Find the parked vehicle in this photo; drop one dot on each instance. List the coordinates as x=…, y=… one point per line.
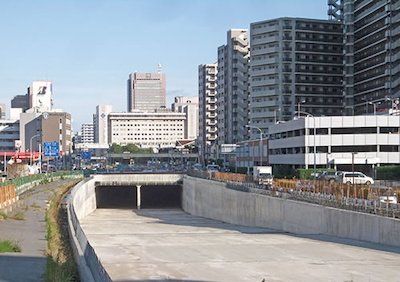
x=263, y=175
x=329, y=175
x=213, y=168
x=355, y=178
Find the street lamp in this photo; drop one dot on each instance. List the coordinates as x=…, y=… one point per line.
x=275, y=111
x=261, y=150
x=374, y=104
x=315, y=145
x=30, y=146
x=298, y=107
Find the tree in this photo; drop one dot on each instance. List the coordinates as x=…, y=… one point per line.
x=115, y=148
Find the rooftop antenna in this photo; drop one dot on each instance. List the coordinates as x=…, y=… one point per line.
x=159, y=68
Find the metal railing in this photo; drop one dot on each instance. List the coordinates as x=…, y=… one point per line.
x=359, y=198
x=24, y=183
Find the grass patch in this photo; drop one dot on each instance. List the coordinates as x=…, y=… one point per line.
x=18, y=216
x=3, y=215
x=60, y=263
x=9, y=246
x=35, y=205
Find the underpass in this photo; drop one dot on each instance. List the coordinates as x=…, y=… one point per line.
x=142, y=240
x=151, y=196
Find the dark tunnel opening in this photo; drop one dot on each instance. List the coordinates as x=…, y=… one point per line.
x=152, y=196
x=124, y=197
x=161, y=196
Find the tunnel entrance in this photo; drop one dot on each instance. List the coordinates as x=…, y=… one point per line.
x=123, y=197
x=151, y=196
x=161, y=196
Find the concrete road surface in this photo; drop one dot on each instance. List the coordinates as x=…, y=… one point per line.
x=171, y=245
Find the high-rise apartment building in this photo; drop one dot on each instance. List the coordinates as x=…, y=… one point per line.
x=371, y=53
x=146, y=91
x=207, y=112
x=295, y=64
x=232, y=88
x=189, y=106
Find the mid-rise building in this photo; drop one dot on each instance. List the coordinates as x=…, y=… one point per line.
x=146, y=91
x=20, y=101
x=189, y=106
x=87, y=133
x=40, y=96
x=342, y=142
x=9, y=134
x=2, y=111
x=100, y=123
x=232, y=88
x=146, y=130
x=46, y=127
x=295, y=64
x=371, y=53
x=207, y=140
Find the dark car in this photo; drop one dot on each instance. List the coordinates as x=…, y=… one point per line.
x=330, y=175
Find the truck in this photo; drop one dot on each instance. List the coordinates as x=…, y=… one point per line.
x=263, y=175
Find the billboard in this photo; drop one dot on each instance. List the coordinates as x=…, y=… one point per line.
x=41, y=94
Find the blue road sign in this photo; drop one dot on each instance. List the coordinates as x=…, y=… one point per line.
x=86, y=155
x=51, y=149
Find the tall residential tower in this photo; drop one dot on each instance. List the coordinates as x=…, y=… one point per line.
x=232, y=89
x=207, y=112
x=371, y=53
x=295, y=64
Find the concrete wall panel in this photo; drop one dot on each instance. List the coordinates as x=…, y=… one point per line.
x=214, y=200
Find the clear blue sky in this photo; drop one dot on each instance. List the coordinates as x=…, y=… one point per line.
x=88, y=48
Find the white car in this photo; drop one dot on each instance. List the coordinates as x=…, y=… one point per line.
x=355, y=178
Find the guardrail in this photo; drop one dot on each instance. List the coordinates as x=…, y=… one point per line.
x=361, y=198
x=11, y=190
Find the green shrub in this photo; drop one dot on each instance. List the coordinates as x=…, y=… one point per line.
x=283, y=171
x=303, y=173
x=388, y=172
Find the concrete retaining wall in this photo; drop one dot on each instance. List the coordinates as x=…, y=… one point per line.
x=83, y=202
x=211, y=199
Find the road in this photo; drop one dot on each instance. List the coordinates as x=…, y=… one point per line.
x=165, y=245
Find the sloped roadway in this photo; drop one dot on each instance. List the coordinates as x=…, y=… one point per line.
x=171, y=245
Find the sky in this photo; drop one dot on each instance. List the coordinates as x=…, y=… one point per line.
x=88, y=48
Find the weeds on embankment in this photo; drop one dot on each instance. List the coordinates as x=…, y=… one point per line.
x=60, y=262
x=9, y=246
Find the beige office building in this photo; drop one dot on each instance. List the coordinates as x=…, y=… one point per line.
x=146, y=91
x=46, y=127
x=146, y=130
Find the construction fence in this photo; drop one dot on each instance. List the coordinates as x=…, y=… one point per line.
x=8, y=196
